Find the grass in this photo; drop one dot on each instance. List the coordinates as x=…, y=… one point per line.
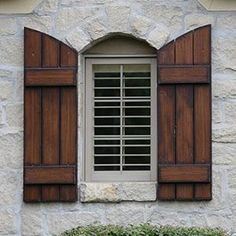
x=142, y=230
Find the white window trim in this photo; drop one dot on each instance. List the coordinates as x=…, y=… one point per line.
x=87, y=162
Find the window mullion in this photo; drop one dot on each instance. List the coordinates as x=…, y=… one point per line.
x=121, y=118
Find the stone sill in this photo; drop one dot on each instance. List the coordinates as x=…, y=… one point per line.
x=117, y=192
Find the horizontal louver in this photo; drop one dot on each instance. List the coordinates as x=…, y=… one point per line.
x=122, y=117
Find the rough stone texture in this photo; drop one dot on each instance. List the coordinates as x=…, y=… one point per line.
x=32, y=220
x=8, y=222
x=79, y=23
x=195, y=20
x=117, y=192
x=14, y=115
x=8, y=26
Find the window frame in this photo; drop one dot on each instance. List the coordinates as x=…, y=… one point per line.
x=110, y=176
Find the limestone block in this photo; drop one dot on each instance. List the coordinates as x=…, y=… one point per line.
x=32, y=220
x=78, y=39
x=75, y=16
x=59, y=222
x=141, y=25
x=224, y=133
x=224, y=52
x=192, y=21
x=8, y=26
x=10, y=185
x=11, y=150
x=96, y=28
x=118, y=18
x=226, y=22
x=220, y=221
x=158, y=36
x=14, y=115
x=6, y=90
x=126, y=213
x=37, y=22
x=47, y=7
x=5, y=74
x=224, y=153
x=117, y=192
x=160, y=218
x=224, y=86
x=13, y=51
x=8, y=222
x=217, y=111
x=99, y=192
x=230, y=111
x=19, y=86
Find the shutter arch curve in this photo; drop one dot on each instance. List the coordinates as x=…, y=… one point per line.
x=184, y=117
x=50, y=119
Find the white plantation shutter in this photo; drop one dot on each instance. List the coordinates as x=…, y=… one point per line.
x=121, y=120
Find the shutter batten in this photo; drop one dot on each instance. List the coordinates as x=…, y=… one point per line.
x=50, y=172
x=184, y=155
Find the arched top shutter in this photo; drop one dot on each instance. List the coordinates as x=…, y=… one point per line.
x=184, y=117
x=50, y=119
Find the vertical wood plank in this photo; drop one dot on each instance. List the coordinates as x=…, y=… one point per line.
x=32, y=52
x=68, y=141
x=166, y=133
x=68, y=126
x=202, y=124
x=184, y=49
x=50, y=52
x=166, y=55
x=51, y=134
x=202, y=48
x=68, y=56
x=202, y=109
x=166, y=121
x=184, y=135
x=184, y=151
x=32, y=137
x=184, y=124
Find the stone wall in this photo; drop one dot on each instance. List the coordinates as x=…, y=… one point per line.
x=79, y=23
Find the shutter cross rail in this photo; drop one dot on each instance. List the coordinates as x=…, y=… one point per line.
x=50, y=119
x=184, y=117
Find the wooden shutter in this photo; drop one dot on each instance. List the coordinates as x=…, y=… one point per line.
x=50, y=119
x=184, y=117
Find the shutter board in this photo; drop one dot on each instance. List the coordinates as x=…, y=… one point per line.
x=179, y=66
x=50, y=119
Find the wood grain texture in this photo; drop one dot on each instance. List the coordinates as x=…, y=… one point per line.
x=32, y=51
x=184, y=65
x=50, y=119
x=202, y=45
x=50, y=52
x=68, y=141
x=50, y=175
x=50, y=77
x=184, y=74
x=184, y=173
x=68, y=56
x=166, y=121
x=184, y=124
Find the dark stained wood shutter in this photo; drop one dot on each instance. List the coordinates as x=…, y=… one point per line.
x=50, y=119
x=184, y=117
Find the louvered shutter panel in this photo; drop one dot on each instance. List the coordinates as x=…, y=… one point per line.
x=50, y=119
x=184, y=117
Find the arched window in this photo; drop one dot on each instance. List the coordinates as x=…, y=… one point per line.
x=120, y=108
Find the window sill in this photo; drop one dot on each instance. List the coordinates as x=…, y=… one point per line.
x=117, y=192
